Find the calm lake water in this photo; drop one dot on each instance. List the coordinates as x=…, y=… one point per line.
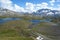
x=2, y=20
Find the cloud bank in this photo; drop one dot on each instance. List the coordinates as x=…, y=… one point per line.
x=29, y=7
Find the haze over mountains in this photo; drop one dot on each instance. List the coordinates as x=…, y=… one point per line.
x=7, y=12
x=40, y=12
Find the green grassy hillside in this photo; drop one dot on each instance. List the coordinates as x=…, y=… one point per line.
x=15, y=30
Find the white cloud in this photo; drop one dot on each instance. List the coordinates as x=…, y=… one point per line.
x=58, y=7
x=30, y=7
x=9, y=5
x=18, y=8
x=33, y=7
x=52, y=2
x=42, y=5
x=6, y=4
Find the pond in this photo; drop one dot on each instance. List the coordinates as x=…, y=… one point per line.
x=38, y=21
x=2, y=20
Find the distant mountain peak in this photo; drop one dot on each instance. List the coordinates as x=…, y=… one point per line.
x=40, y=12
x=46, y=12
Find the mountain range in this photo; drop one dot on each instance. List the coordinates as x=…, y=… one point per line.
x=40, y=12
x=46, y=12
x=7, y=12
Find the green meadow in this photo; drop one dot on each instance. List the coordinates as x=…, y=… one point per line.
x=15, y=30
x=19, y=29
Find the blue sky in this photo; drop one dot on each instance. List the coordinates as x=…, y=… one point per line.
x=23, y=2
x=29, y=5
